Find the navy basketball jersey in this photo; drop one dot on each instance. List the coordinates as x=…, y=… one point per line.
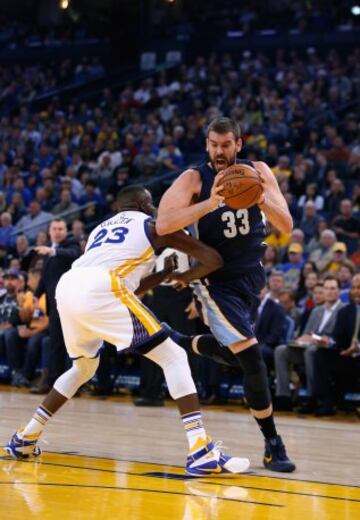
x=236, y=234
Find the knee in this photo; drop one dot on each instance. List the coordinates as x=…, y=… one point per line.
x=86, y=367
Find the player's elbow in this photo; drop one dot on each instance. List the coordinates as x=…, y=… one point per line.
x=162, y=227
x=287, y=225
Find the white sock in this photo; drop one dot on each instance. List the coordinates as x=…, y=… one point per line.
x=37, y=423
x=194, y=428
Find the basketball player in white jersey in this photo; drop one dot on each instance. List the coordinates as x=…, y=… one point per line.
x=97, y=302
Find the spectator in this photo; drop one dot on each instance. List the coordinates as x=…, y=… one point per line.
x=345, y=274
x=270, y=326
x=270, y=260
x=321, y=321
x=276, y=284
x=58, y=259
x=37, y=220
x=323, y=255
x=339, y=361
x=9, y=316
x=312, y=195
x=7, y=231
x=310, y=221
x=287, y=299
x=339, y=257
x=24, y=343
x=347, y=227
x=66, y=205
x=314, y=242
x=170, y=157
x=292, y=269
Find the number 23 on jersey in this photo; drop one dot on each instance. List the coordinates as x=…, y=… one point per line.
x=114, y=235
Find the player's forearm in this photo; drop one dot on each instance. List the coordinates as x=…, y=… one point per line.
x=276, y=212
x=201, y=270
x=174, y=219
x=151, y=281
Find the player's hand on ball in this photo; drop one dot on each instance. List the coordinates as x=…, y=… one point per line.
x=215, y=198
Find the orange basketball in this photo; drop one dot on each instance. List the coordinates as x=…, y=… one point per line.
x=242, y=186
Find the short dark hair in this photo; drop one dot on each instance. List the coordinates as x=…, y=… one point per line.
x=130, y=192
x=331, y=277
x=223, y=125
x=289, y=292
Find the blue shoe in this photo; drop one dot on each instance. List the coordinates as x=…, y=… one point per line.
x=207, y=460
x=23, y=448
x=275, y=457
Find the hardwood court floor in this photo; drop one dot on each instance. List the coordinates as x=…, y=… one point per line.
x=108, y=459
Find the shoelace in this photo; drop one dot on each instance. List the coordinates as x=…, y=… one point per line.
x=219, y=446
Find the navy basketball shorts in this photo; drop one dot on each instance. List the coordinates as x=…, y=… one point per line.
x=229, y=309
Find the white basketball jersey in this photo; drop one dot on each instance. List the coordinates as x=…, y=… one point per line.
x=120, y=245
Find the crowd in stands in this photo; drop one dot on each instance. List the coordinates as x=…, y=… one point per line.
x=298, y=114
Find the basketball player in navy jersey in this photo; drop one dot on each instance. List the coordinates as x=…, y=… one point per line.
x=229, y=297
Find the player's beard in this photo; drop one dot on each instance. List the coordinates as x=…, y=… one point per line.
x=221, y=162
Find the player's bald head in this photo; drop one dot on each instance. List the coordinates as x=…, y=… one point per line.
x=135, y=198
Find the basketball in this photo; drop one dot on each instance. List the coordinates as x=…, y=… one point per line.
x=242, y=186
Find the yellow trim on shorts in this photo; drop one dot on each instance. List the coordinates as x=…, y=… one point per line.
x=129, y=299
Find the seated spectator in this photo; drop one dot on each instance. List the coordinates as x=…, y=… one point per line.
x=170, y=157
x=9, y=315
x=276, y=284
x=345, y=274
x=305, y=296
x=66, y=205
x=314, y=242
x=282, y=168
x=339, y=361
x=146, y=161
x=278, y=239
x=347, y=227
x=292, y=269
x=302, y=351
x=339, y=257
x=312, y=195
x=269, y=326
x=37, y=220
x=323, y=255
x=16, y=208
x=287, y=300
x=270, y=260
x=310, y=221
x=334, y=197
x=7, y=231
x=315, y=298
x=307, y=268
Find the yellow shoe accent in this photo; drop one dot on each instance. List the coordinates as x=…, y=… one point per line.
x=200, y=444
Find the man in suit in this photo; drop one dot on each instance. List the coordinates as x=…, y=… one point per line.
x=270, y=326
x=321, y=322
x=339, y=360
x=58, y=259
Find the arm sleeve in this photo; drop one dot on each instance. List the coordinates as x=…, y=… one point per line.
x=72, y=252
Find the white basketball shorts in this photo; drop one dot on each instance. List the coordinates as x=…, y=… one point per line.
x=96, y=306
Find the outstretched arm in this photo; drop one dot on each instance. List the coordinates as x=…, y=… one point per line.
x=155, y=279
x=208, y=259
x=273, y=202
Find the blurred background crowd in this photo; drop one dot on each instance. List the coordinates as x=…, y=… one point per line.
x=76, y=129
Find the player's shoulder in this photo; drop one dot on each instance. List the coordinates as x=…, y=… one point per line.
x=189, y=179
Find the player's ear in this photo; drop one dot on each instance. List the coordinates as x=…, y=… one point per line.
x=239, y=144
x=207, y=144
